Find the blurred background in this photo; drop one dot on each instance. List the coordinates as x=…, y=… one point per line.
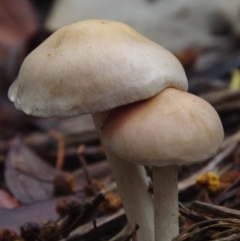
x=203, y=34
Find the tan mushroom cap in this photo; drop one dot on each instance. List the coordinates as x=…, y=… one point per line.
x=93, y=66
x=174, y=127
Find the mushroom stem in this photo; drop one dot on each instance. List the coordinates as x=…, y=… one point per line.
x=132, y=186
x=165, y=189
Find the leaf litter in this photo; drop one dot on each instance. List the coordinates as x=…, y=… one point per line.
x=77, y=199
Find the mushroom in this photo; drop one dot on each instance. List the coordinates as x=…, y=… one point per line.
x=170, y=129
x=92, y=67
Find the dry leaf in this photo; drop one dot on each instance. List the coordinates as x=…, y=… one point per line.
x=27, y=176
x=18, y=21
x=7, y=201
x=39, y=212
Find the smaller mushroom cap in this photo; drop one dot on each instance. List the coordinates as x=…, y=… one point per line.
x=93, y=66
x=174, y=127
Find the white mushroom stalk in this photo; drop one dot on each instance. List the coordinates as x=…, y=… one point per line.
x=173, y=128
x=132, y=186
x=165, y=189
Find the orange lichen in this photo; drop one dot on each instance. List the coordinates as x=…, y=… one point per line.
x=210, y=180
x=112, y=202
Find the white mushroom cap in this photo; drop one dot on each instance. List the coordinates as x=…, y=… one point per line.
x=93, y=66
x=174, y=127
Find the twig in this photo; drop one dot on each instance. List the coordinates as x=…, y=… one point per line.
x=200, y=228
x=228, y=106
x=220, y=96
x=95, y=230
x=86, y=214
x=234, y=237
x=191, y=214
x=61, y=148
x=226, y=233
x=105, y=224
x=133, y=235
x=84, y=167
x=222, y=197
x=217, y=211
x=186, y=183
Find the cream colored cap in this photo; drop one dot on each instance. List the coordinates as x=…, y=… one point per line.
x=174, y=127
x=93, y=66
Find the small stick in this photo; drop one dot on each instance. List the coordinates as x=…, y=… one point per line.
x=216, y=210
x=95, y=230
x=61, y=148
x=226, y=233
x=86, y=214
x=221, y=197
x=84, y=166
x=208, y=224
x=184, y=211
x=133, y=235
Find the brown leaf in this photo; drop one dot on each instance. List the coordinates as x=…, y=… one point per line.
x=18, y=21
x=38, y=212
x=27, y=176
x=7, y=201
